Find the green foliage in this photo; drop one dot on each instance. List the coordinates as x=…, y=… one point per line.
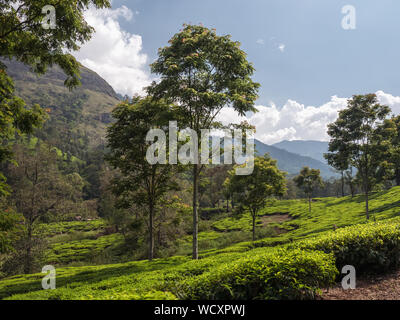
x=52, y=229
x=15, y=119
x=370, y=247
x=252, y=191
x=394, y=123
x=360, y=138
x=140, y=184
x=81, y=250
x=239, y=267
x=279, y=275
x=40, y=193
x=9, y=228
x=205, y=72
x=23, y=37
x=308, y=180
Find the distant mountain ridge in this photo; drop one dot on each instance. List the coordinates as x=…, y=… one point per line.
x=308, y=148
x=292, y=162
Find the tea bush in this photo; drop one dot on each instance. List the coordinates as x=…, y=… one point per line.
x=283, y=274
x=371, y=248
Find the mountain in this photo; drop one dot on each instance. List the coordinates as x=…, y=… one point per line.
x=292, y=162
x=77, y=117
x=307, y=148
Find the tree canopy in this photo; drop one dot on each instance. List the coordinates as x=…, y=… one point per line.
x=362, y=136
x=308, y=180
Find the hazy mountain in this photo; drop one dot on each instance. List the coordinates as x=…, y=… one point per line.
x=292, y=162
x=313, y=149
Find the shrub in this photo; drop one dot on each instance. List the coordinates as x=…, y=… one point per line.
x=279, y=275
x=370, y=248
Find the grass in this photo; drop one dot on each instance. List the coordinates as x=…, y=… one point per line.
x=153, y=280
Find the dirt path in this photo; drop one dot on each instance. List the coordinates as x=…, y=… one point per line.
x=274, y=218
x=385, y=287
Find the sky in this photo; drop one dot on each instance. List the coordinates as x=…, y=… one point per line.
x=307, y=59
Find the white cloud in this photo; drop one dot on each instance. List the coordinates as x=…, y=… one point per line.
x=282, y=47
x=116, y=55
x=260, y=41
x=295, y=121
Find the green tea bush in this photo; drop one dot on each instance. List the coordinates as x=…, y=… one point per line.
x=370, y=248
x=55, y=228
x=280, y=275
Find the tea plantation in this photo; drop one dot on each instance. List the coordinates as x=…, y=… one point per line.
x=298, y=254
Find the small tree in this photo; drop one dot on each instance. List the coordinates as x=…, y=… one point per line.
x=140, y=183
x=254, y=190
x=308, y=180
x=203, y=73
x=361, y=135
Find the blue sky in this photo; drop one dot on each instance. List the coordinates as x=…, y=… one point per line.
x=307, y=64
x=320, y=58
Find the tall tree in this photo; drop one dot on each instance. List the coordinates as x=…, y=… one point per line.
x=202, y=73
x=308, y=180
x=254, y=190
x=141, y=183
x=362, y=129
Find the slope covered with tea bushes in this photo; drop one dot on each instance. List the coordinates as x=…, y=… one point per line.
x=306, y=258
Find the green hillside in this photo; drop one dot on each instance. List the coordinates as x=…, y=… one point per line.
x=241, y=266
x=81, y=115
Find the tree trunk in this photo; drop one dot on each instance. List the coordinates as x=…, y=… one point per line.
x=342, y=184
x=151, y=237
x=254, y=227
x=366, y=204
x=309, y=204
x=352, y=189
x=397, y=176
x=28, y=262
x=366, y=191
x=195, y=213
x=227, y=205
